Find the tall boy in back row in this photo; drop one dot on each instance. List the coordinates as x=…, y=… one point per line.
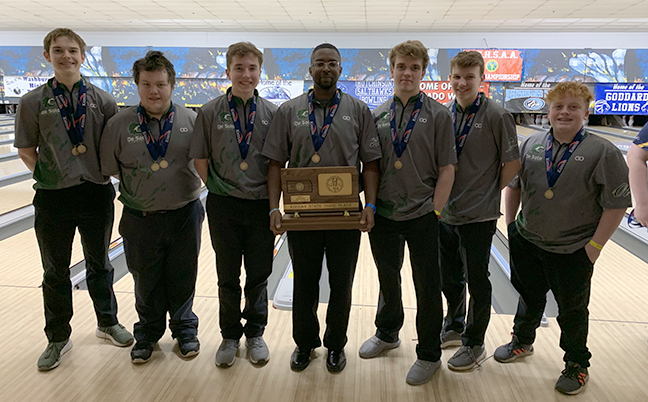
x=488, y=158
x=574, y=190
x=58, y=130
x=229, y=136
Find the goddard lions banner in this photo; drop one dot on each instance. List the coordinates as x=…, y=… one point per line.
x=621, y=99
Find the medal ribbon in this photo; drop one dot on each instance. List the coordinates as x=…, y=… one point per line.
x=156, y=148
x=75, y=127
x=460, y=139
x=399, y=146
x=553, y=174
x=319, y=136
x=243, y=139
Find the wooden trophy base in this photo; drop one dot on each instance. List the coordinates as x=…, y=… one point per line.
x=321, y=221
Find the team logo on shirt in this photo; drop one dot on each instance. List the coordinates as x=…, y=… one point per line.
x=375, y=142
x=225, y=117
x=302, y=114
x=622, y=191
x=134, y=128
x=184, y=129
x=536, y=153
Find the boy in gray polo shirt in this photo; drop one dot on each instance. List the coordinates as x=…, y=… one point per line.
x=488, y=158
x=230, y=132
x=71, y=191
x=350, y=139
x=417, y=171
x=148, y=146
x=574, y=190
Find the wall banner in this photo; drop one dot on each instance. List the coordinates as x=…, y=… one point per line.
x=441, y=91
x=373, y=93
x=501, y=64
x=623, y=99
x=279, y=91
x=16, y=87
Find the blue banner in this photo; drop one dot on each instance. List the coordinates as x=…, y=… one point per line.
x=373, y=93
x=623, y=99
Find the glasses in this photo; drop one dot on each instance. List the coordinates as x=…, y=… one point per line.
x=331, y=64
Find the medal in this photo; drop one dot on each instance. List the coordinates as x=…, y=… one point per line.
x=164, y=164
x=399, y=146
x=81, y=149
x=315, y=158
x=157, y=148
x=75, y=151
x=398, y=165
x=549, y=194
x=74, y=121
x=243, y=138
x=460, y=138
x=318, y=136
x=155, y=166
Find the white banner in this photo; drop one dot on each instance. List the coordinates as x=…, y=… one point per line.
x=15, y=87
x=279, y=91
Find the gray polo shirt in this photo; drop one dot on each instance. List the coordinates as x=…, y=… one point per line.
x=124, y=151
x=595, y=178
x=39, y=124
x=407, y=193
x=351, y=139
x=492, y=141
x=215, y=139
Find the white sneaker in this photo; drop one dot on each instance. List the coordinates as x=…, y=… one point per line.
x=257, y=350
x=226, y=353
x=375, y=346
x=422, y=371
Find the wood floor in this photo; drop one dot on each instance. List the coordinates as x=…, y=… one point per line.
x=94, y=370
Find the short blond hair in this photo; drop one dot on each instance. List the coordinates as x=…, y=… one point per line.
x=242, y=49
x=467, y=59
x=414, y=48
x=60, y=32
x=572, y=88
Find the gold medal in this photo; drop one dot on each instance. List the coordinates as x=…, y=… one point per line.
x=81, y=149
x=164, y=164
x=155, y=166
x=549, y=194
x=315, y=158
x=75, y=151
x=398, y=165
x=244, y=166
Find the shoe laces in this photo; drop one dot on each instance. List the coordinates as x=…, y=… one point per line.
x=256, y=342
x=573, y=371
x=229, y=344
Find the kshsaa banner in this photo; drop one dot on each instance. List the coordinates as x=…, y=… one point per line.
x=502, y=64
x=621, y=99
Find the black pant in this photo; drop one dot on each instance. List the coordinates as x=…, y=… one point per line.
x=388, y=239
x=58, y=213
x=465, y=254
x=162, y=254
x=533, y=273
x=307, y=253
x=241, y=229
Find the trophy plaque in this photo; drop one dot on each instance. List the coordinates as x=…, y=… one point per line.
x=320, y=198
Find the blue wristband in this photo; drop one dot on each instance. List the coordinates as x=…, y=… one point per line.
x=272, y=210
x=370, y=205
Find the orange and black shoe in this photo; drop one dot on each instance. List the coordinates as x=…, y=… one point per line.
x=512, y=351
x=573, y=379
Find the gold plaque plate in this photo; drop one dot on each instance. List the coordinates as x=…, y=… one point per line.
x=326, y=189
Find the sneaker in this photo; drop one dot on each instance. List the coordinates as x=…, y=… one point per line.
x=512, y=350
x=257, y=350
x=51, y=357
x=117, y=334
x=189, y=345
x=573, y=379
x=375, y=346
x=422, y=371
x=467, y=357
x=226, y=353
x=141, y=352
x=450, y=338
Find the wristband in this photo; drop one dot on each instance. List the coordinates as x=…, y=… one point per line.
x=372, y=206
x=595, y=245
x=272, y=210
x=438, y=214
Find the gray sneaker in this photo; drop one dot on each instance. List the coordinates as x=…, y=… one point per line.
x=467, y=357
x=51, y=357
x=450, y=338
x=573, y=379
x=257, y=350
x=117, y=334
x=374, y=346
x=422, y=371
x=226, y=353
x=512, y=350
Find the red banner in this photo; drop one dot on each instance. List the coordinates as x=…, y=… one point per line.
x=501, y=65
x=441, y=91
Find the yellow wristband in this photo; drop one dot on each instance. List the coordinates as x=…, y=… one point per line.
x=438, y=214
x=595, y=245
